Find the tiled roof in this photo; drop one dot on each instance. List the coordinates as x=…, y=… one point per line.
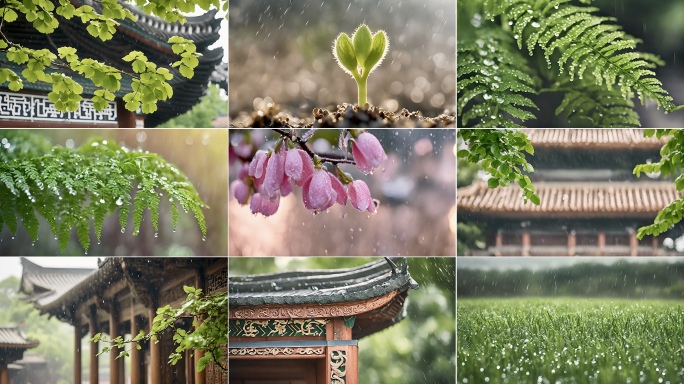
x=44, y=285
x=580, y=200
x=317, y=287
x=13, y=337
x=322, y=287
x=595, y=138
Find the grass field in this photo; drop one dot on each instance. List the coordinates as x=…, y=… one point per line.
x=570, y=340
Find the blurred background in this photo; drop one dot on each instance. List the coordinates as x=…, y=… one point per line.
x=658, y=23
x=281, y=52
x=200, y=154
x=625, y=277
x=416, y=216
x=419, y=349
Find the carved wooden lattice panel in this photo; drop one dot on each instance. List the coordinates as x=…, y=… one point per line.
x=216, y=375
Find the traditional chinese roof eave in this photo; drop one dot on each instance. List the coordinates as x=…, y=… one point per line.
x=13, y=337
x=372, y=293
x=596, y=138
x=640, y=200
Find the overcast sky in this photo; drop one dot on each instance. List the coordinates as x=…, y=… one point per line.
x=538, y=263
x=11, y=266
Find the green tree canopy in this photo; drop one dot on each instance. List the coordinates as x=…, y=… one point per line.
x=150, y=81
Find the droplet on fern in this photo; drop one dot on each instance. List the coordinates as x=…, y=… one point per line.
x=555, y=6
x=102, y=201
x=529, y=11
x=119, y=201
x=516, y=36
x=510, y=22
x=497, y=78
x=123, y=229
x=488, y=62
x=204, y=238
x=534, y=24
x=499, y=100
x=495, y=85
x=479, y=42
x=483, y=52
x=156, y=234
x=12, y=237
x=486, y=96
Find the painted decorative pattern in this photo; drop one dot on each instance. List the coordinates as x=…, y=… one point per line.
x=17, y=106
x=264, y=328
x=310, y=311
x=275, y=351
x=338, y=368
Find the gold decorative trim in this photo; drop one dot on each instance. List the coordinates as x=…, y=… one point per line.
x=265, y=328
x=276, y=351
x=310, y=311
x=338, y=369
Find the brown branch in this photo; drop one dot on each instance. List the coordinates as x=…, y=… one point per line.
x=328, y=157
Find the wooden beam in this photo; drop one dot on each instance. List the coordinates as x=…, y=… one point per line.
x=77, y=353
x=601, y=243
x=526, y=243
x=572, y=243
x=94, y=347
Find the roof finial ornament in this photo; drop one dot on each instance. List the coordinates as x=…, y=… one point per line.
x=404, y=267
x=392, y=265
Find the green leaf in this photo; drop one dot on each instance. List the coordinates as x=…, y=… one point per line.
x=493, y=182
x=344, y=53
x=363, y=41
x=186, y=71
x=349, y=321
x=534, y=199
x=377, y=52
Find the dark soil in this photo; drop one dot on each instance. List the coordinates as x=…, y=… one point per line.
x=346, y=116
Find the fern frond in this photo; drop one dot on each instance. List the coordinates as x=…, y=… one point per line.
x=601, y=107
x=68, y=187
x=584, y=40
x=494, y=76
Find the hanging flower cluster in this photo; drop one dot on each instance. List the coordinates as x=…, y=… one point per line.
x=273, y=174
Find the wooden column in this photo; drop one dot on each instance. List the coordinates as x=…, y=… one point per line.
x=135, y=353
x=77, y=353
x=4, y=375
x=572, y=242
x=633, y=243
x=601, y=243
x=94, y=347
x=499, y=243
x=200, y=377
x=155, y=348
x=114, y=352
x=526, y=243
x=341, y=361
x=655, y=244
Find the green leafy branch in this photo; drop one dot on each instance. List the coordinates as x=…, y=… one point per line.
x=150, y=84
x=500, y=152
x=209, y=331
x=69, y=187
x=670, y=164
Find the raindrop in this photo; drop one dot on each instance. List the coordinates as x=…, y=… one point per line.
x=156, y=234
x=535, y=24
x=119, y=202
x=204, y=238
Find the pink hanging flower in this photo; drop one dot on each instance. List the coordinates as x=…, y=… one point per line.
x=298, y=166
x=263, y=205
x=360, y=196
x=322, y=190
x=256, y=166
x=368, y=152
x=240, y=190
x=275, y=172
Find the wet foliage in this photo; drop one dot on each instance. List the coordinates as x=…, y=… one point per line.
x=69, y=187
x=569, y=341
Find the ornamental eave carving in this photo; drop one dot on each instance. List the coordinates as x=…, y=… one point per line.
x=310, y=311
